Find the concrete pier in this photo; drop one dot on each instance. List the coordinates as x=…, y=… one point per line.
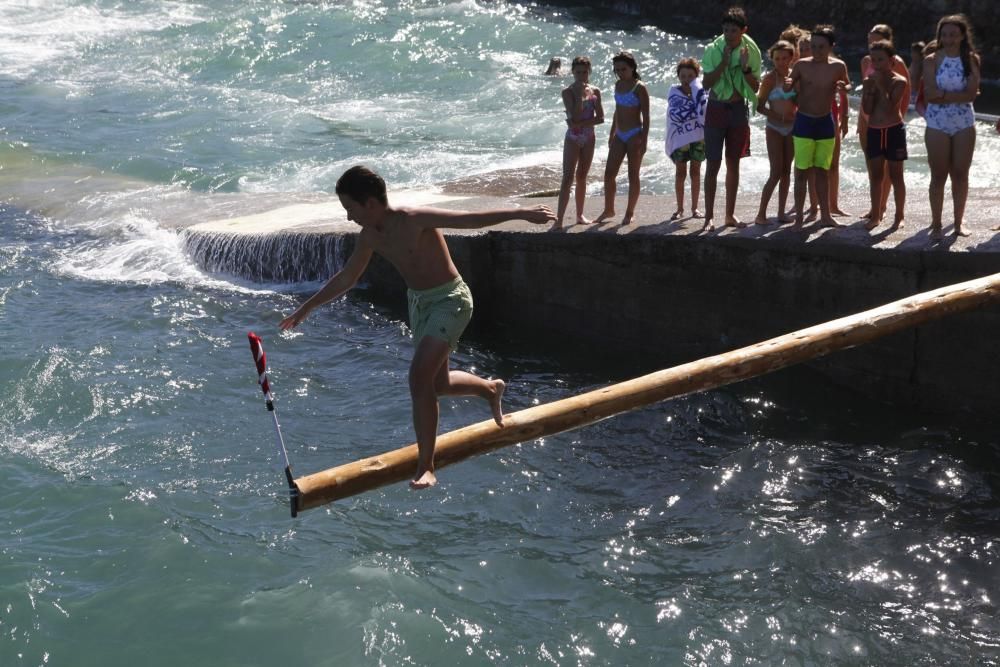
x=669, y=291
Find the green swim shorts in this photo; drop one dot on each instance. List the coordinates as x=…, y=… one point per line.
x=442, y=312
x=694, y=152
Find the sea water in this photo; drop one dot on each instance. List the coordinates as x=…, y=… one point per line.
x=143, y=515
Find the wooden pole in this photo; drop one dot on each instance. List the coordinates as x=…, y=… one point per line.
x=569, y=413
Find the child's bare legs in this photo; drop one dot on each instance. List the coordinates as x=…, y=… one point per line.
x=776, y=157
x=863, y=140
x=801, y=185
x=711, y=180
x=582, y=171
x=823, y=195
x=695, y=187
x=635, y=151
x=571, y=155
x=899, y=193
x=431, y=378
x=963, y=145
x=616, y=153
x=886, y=186
x=813, y=196
x=788, y=159
x=680, y=176
x=732, y=186
x=939, y=160
x=835, y=179
x=876, y=183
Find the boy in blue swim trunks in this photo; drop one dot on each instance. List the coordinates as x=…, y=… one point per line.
x=440, y=302
x=817, y=79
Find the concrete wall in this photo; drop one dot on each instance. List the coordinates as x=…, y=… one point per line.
x=670, y=299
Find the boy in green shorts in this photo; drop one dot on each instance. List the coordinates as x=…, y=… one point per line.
x=817, y=79
x=440, y=302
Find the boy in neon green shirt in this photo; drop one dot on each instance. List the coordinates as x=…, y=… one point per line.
x=732, y=75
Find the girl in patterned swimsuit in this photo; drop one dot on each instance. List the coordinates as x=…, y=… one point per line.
x=629, y=130
x=583, y=112
x=951, y=83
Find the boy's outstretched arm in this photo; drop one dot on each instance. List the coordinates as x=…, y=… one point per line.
x=439, y=217
x=335, y=287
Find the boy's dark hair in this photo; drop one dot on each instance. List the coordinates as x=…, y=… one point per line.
x=884, y=45
x=359, y=183
x=825, y=31
x=689, y=63
x=735, y=15
x=580, y=60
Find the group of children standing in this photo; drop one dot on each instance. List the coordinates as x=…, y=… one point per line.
x=805, y=104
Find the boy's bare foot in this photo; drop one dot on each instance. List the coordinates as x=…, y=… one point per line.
x=424, y=481
x=735, y=222
x=760, y=220
x=627, y=219
x=872, y=224
x=708, y=225
x=498, y=388
x=605, y=214
x=897, y=223
x=582, y=220
x=557, y=226
x=829, y=222
x=960, y=232
x=936, y=234
x=677, y=214
x=695, y=213
x=835, y=210
x=812, y=214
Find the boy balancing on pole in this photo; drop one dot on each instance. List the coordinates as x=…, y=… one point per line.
x=440, y=303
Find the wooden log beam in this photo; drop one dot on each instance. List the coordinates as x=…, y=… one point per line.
x=569, y=413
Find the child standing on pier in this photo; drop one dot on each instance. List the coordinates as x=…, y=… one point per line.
x=686, y=132
x=884, y=89
x=440, y=302
x=817, y=79
x=778, y=106
x=583, y=112
x=629, y=132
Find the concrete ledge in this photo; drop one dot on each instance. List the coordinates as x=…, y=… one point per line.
x=665, y=293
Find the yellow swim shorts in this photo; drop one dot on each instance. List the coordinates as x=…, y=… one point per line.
x=442, y=312
x=814, y=138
